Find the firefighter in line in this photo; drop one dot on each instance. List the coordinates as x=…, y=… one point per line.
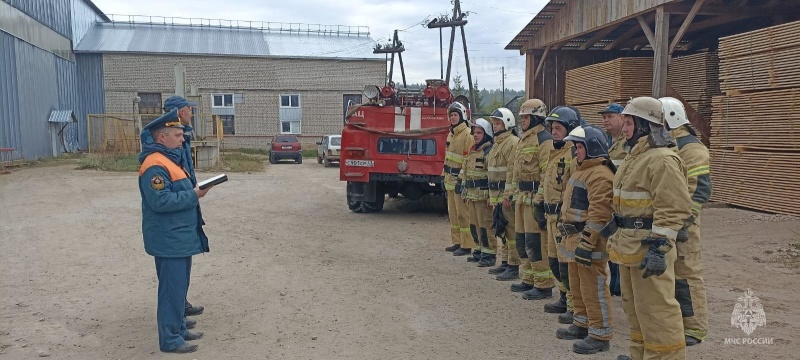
x=474, y=178
x=501, y=189
x=561, y=121
x=458, y=143
x=531, y=159
x=187, y=161
x=586, y=210
x=612, y=124
x=690, y=290
x=651, y=204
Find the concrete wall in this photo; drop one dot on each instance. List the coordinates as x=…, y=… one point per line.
x=320, y=84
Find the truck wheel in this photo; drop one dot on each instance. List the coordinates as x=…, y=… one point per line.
x=354, y=206
x=272, y=159
x=300, y=160
x=373, y=206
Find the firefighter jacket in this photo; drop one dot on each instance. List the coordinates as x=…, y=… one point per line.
x=498, y=161
x=532, y=155
x=556, y=176
x=587, y=208
x=696, y=158
x=650, y=200
x=616, y=150
x=474, y=175
x=459, y=140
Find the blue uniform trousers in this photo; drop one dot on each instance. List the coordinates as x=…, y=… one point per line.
x=173, y=284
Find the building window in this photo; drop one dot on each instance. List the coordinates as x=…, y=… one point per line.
x=290, y=114
x=222, y=100
x=228, y=127
x=150, y=103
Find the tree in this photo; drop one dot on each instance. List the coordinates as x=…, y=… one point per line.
x=478, y=97
x=458, y=86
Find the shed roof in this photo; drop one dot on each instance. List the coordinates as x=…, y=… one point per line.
x=115, y=37
x=62, y=116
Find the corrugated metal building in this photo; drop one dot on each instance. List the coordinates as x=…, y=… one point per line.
x=263, y=79
x=40, y=74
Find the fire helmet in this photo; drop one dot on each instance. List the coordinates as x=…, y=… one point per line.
x=459, y=108
x=674, y=112
x=506, y=116
x=533, y=107
x=565, y=116
x=647, y=108
x=593, y=139
x=486, y=125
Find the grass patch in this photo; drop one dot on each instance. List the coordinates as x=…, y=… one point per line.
x=251, y=151
x=119, y=163
x=310, y=153
x=250, y=160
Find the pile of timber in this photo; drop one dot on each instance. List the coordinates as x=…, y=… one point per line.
x=755, y=140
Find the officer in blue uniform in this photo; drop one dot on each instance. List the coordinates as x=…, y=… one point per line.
x=171, y=226
x=184, y=108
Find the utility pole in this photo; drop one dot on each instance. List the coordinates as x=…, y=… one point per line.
x=441, y=55
x=456, y=21
x=503, y=82
x=395, y=48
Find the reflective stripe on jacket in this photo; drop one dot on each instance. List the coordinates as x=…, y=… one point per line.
x=459, y=141
x=500, y=161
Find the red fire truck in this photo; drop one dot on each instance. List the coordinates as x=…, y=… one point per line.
x=394, y=144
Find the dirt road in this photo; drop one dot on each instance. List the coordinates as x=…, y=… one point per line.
x=292, y=274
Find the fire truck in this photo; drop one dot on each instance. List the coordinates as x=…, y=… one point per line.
x=394, y=144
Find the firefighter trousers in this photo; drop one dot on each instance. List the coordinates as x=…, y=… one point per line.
x=480, y=225
x=555, y=260
x=459, y=220
x=654, y=314
x=534, y=266
x=507, y=248
x=591, y=299
x=690, y=289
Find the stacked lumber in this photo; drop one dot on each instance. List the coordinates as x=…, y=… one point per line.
x=755, y=137
x=696, y=78
x=618, y=79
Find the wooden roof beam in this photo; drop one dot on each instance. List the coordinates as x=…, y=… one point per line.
x=597, y=37
x=723, y=10
x=697, y=26
x=628, y=34
x=651, y=38
x=686, y=22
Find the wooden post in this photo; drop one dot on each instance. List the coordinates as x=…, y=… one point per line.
x=686, y=22
x=530, y=63
x=661, y=53
x=541, y=63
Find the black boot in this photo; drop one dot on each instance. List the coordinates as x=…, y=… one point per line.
x=590, y=345
x=511, y=273
x=537, y=294
x=476, y=256
x=500, y=269
x=487, y=260
x=558, y=307
x=572, y=333
x=691, y=341
x=521, y=287
x=623, y=357
x=189, y=310
x=462, y=251
x=566, y=318
x=452, y=248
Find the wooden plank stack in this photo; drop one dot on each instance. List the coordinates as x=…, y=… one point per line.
x=755, y=140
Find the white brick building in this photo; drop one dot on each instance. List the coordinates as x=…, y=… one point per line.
x=260, y=82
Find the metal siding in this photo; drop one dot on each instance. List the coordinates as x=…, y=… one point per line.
x=83, y=18
x=38, y=95
x=9, y=99
x=91, y=91
x=68, y=99
x=53, y=13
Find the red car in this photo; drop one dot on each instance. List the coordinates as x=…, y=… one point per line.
x=285, y=147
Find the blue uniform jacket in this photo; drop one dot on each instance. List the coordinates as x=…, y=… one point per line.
x=171, y=221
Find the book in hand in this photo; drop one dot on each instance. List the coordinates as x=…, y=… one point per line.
x=219, y=179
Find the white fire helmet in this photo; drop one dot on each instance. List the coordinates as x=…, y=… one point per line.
x=674, y=112
x=459, y=108
x=486, y=125
x=506, y=116
x=647, y=108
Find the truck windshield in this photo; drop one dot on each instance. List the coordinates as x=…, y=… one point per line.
x=407, y=146
x=336, y=141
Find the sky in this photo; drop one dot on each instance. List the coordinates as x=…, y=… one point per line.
x=491, y=26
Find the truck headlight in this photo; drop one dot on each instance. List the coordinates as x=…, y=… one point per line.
x=371, y=92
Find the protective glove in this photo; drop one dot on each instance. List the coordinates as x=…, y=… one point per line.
x=654, y=262
x=539, y=216
x=583, y=253
x=683, y=233
x=459, y=187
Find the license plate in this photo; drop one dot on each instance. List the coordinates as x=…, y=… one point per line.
x=362, y=163
x=286, y=147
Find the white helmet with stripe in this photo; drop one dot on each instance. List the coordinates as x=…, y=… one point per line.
x=485, y=125
x=506, y=116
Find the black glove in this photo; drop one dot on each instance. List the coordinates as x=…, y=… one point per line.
x=459, y=188
x=583, y=253
x=683, y=233
x=654, y=262
x=538, y=215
